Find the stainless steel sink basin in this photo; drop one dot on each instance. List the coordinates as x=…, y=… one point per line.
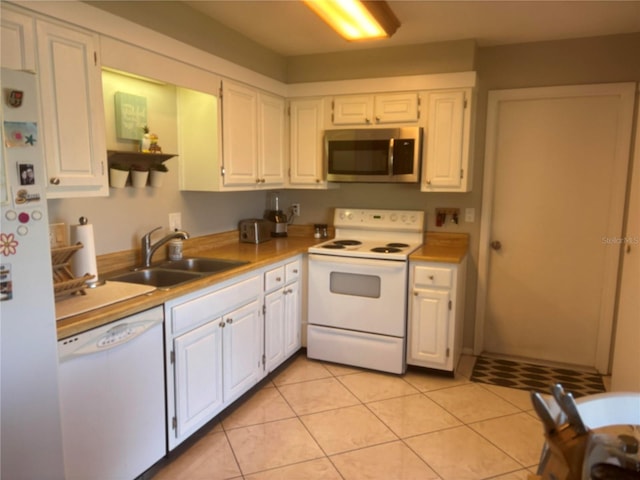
x=170, y=274
x=202, y=265
x=157, y=277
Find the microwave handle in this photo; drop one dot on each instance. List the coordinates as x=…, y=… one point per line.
x=390, y=157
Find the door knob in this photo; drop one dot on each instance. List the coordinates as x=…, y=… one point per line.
x=496, y=245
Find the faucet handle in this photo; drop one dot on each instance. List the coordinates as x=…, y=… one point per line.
x=154, y=230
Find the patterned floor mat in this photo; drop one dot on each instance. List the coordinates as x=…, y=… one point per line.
x=527, y=376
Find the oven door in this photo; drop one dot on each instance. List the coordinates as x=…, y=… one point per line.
x=358, y=294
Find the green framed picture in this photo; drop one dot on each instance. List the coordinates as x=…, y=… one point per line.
x=131, y=115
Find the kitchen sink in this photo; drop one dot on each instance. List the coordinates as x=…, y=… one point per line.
x=170, y=274
x=157, y=277
x=201, y=265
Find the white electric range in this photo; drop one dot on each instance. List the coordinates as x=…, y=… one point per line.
x=358, y=288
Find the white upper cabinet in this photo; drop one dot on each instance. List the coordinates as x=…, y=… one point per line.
x=18, y=41
x=447, y=165
x=253, y=136
x=376, y=109
x=305, y=143
x=71, y=101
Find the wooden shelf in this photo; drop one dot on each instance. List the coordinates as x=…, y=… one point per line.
x=144, y=159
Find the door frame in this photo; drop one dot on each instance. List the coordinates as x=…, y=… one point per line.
x=626, y=93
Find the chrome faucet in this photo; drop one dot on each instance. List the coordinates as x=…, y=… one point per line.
x=148, y=249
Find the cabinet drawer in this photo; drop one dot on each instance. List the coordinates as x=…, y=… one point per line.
x=274, y=278
x=432, y=276
x=292, y=271
x=207, y=307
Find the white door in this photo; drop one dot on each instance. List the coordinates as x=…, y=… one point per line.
x=554, y=189
x=242, y=339
x=274, y=329
x=198, y=377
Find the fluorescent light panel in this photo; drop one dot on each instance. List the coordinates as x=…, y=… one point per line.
x=356, y=20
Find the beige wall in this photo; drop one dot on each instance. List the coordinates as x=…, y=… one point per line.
x=124, y=216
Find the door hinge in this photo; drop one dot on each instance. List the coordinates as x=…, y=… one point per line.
x=264, y=309
x=264, y=360
x=464, y=104
x=461, y=173
x=220, y=91
x=449, y=304
x=448, y=351
x=102, y=168
x=222, y=170
x=95, y=58
x=172, y=357
x=174, y=423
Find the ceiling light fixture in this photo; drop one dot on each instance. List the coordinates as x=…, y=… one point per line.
x=356, y=19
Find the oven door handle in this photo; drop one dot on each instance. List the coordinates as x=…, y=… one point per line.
x=390, y=157
x=368, y=262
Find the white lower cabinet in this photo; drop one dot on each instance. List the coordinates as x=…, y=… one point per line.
x=436, y=314
x=282, y=313
x=223, y=340
x=198, y=377
x=214, y=349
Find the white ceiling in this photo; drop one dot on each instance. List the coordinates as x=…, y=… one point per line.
x=290, y=28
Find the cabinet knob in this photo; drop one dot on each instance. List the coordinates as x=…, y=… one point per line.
x=431, y=277
x=377, y=119
x=415, y=293
x=496, y=245
x=262, y=180
x=318, y=180
x=221, y=324
x=257, y=180
x=278, y=279
x=229, y=321
x=295, y=270
x=428, y=182
x=54, y=181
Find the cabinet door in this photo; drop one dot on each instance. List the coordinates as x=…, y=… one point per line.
x=305, y=155
x=242, y=347
x=274, y=329
x=353, y=110
x=239, y=135
x=198, y=377
x=447, y=144
x=396, y=108
x=18, y=41
x=429, y=328
x=271, y=137
x=292, y=320
x=71, y=99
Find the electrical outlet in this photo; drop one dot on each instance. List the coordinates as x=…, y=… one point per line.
x=175, y=221
x=295, y=208
x=469, y=215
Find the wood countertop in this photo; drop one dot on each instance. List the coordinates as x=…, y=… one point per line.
x=438, y=247
x=442, y=247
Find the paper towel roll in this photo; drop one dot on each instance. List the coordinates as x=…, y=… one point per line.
x=84, y=260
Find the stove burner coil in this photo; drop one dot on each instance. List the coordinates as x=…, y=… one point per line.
x=397, y=245
x=385, y=250
x=348, y=243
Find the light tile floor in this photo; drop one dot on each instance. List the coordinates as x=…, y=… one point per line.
x=321, y=421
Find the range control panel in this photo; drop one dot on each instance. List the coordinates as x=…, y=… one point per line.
x=412, y=220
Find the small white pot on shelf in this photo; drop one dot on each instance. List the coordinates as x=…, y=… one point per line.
x=139, y=178
x=118, y=178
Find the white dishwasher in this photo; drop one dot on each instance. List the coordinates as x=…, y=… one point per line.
x=112, y=398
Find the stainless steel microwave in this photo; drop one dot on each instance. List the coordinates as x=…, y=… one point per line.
x=384, y=155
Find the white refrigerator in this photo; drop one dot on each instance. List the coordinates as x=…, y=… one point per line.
x=31, y=439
